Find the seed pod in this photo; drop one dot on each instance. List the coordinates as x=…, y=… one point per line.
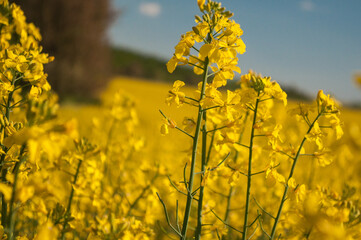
x=228, y=14
x=18, y=125
x=195, y=30
x=198, y=18
x=10, y=130
x=208, y=8
x=6, y=120
x=206, y=18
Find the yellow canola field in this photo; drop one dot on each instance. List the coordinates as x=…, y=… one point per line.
x=246, y=167
x=149, y=98
x=337, y=184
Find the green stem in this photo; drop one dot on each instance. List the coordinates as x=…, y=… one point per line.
x=290, y=176
x=220, y=219
x=210, y=146
x=249, y=175
x=179, y=129
x=68, y=209
x=8, y=105
x=109, y=137
x=203, y=168
x=194, y=154
x=167, y=218
x=4, y=207
x=107, y=169
x=11, y=220
x=230, y=193
x=141, y=195
x=228, y=209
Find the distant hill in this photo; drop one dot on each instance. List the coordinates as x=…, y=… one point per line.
x=133, y=64
x=129, y=63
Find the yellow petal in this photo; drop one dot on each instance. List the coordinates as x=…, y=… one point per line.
x=201, y=4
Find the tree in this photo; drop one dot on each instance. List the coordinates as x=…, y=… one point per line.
x=74, y=32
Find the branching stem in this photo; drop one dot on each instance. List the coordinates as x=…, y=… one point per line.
x=290, y=176
x=68, y=209
x=201, y=188
x=194, y=154
x=249, y=175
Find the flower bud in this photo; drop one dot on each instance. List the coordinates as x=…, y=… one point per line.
x=227, y=33
x=164, y=129
x=195, y=30
x=201, y=4
x=198, y=18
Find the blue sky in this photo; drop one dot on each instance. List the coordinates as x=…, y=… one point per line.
x=309, y=44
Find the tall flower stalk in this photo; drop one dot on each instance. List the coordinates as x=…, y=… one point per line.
x=194, y=155
x=326, y=106
x=216, y=41
x=249, y=174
